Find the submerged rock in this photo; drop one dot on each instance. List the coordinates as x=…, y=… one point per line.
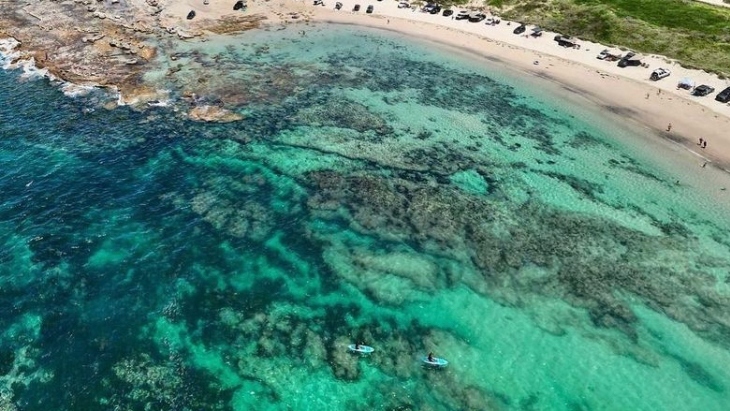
x=213, y=113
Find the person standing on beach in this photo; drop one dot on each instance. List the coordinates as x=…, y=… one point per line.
x=669, y=127
x=704, y=144
x=701, y=140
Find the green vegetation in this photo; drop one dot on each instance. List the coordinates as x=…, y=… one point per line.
x=695, y=34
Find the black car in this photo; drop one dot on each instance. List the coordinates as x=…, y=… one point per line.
x=435, y=10
x=629, y=60
x=356, y=8
x=448, y=12
x=702, y=90
x=519, y=29
x=477, y=17
x=369, y=9
x=723, y=96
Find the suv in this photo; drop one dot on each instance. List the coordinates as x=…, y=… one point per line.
x=477, y=17
x=702, y=90
x=602, y=55
x=723, y=96
x=659, y=74
x=629, y=60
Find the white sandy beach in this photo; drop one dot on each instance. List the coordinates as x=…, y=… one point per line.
x=628, y=91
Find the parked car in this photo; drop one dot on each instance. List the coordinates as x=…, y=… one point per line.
x=369, y=9
x=404, y=5
x=338, y=5
x=448, y=12
x=356, y=8
x=703, y=90
x=659, y=74
x=519, y=29
x=463, y=15
x=567, y=42
x=435, y=10
x=630, y=59
x=723, y=96
x=318, y=3
x=609, y=55
x=428, y=7
x=477, y=17
x=536, y=31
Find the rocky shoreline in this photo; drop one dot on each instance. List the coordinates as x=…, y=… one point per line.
x=111, y=43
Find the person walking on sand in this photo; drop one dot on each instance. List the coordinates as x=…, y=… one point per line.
x=669, y=127
x=704, y=144
x=701, y=141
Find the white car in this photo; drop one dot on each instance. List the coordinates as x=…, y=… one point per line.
x=404, y=5
x=462, y=15
x=659, y=74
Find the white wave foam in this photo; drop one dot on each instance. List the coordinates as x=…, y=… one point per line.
x=8, y=52
x=167, y=102
x=75, y=90
x=30, y=70
x=11, y=59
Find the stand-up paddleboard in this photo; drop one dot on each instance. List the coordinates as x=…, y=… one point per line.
x=435, y=363
x=362, y=349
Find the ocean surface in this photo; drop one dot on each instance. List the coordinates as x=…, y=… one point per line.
x=379, y=191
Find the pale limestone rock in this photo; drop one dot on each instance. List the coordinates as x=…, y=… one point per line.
x=213, y=113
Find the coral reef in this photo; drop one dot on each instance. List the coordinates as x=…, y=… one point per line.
x=587, y=260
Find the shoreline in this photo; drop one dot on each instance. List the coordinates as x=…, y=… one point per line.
x=623, y=95
x=623, y=92
x=620, y=91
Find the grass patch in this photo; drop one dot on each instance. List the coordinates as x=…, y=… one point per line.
x=695, y=34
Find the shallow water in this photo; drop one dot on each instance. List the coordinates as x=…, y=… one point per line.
x=376, y=191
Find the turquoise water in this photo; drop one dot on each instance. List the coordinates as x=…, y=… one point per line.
x=377, y=190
